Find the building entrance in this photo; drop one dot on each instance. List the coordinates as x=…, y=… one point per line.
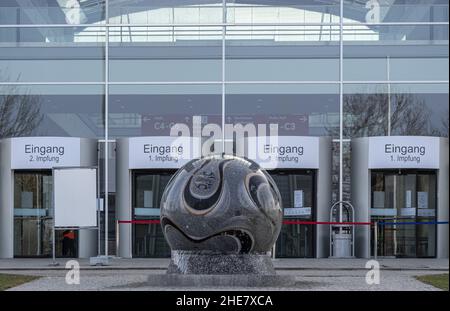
x=148, y=187
x=295, y=240
x=33, y=218
x=406, y=201
x=298, y=195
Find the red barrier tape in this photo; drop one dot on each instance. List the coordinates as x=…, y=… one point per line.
x=140, y=222
x=285, y=222
x=301, y=222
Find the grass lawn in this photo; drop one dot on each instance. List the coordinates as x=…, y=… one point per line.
x=436, y=280
x=11, y=280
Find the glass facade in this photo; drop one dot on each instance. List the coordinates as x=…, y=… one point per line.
x=119, y=68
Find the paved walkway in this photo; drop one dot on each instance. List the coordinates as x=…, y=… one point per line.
x=311, y=274
x=280, y=264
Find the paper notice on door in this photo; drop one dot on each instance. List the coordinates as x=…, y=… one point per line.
x=26, y=199
x=426, y=212
x=100, y=204
x=378, y=199
x=408, y=199
x=422, y=199
x=297, y=211
x=148, y=198
x=298, y=198
x=409, y=211
x=383, y=212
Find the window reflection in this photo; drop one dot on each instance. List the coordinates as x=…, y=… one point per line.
x=396, y=110
x=397, y=11
x=52, y=12
x=165, y=12
x=298, y=110
x=419, y=109
x=51, y=111
x=20, y=114
x=151, y=110
x=36, y=54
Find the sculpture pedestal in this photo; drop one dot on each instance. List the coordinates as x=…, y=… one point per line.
x=191, y=262
x=210, y=269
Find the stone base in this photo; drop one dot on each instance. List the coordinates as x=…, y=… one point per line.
x=99, y=261
x=210, y=269
x=187, y=262
x=217, y=280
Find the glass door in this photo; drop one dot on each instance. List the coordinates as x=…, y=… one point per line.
x=426, y=212
x=148, y=239
x=406, y=212
x=297, y=192
x=32, y=214
x=33, y=218
x=404, y=199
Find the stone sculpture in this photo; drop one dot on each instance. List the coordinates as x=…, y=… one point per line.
x=221, y=214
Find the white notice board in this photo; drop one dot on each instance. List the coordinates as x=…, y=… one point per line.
x=75, y=197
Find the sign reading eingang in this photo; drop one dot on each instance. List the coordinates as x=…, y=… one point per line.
x=404, y=152
x=44, y=152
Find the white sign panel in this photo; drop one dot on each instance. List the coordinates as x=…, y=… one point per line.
x=101, y=204
x=44, y=152
x=298, y=198
x=75, y=193
x=383, y=211
x=26, y=199
x=148, y=212
x=378, y=199
x=162, y=151
x=426, y=212
x=284, y=151
x=408, y=211
x=148, y=198
x=404, y=152
x=422, y=199
x=408, y=196
x=297, y=211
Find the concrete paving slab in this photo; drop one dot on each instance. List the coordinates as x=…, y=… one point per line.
x=310, y=274
x=280, y=264
x=133, y=280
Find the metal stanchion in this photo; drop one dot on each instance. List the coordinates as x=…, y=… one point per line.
x=375, y=237
x=117, y=238
x=54, y=263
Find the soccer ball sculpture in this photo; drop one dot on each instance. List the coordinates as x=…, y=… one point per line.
x=221, y=204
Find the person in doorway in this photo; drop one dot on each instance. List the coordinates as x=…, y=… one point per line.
x=69, y=243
